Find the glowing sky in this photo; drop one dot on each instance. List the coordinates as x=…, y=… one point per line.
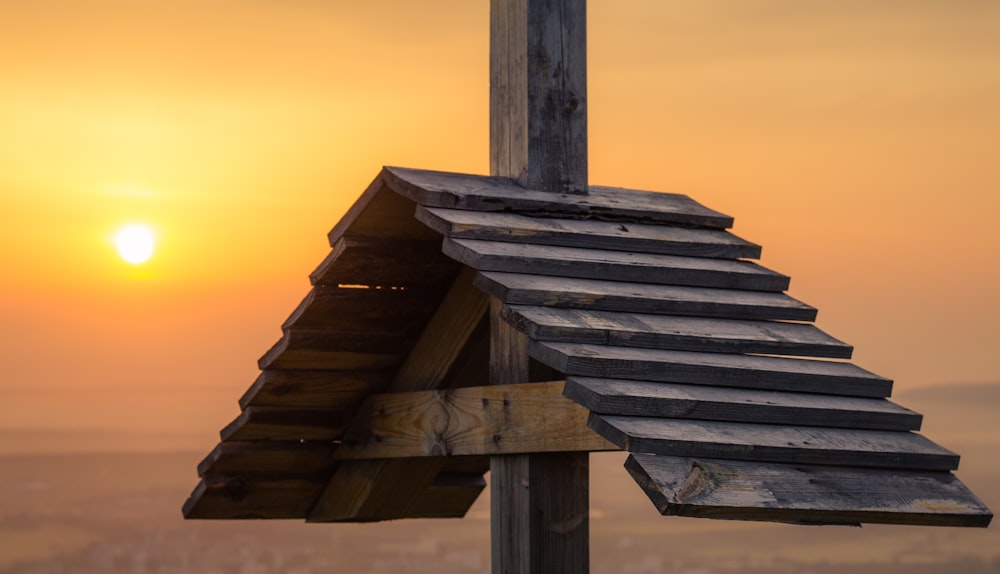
x=857, y=141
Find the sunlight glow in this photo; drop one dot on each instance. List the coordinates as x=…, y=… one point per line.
x=135, y=243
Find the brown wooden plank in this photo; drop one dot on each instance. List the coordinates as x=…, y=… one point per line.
x=522, y=289
x=807, y=494
x=284, y=458
x=715, y=369
x=503, y=419
x=354, y=309
x=251, y=497
x=373, y=490
x=346, y=497
x=380, y=213
x=386, y=264
x=449, y=495
x=590, y=234
x=343, y=351
x=639, y=398
x=674, y=332
x=618, y=265
x=774, y=443
x=288, y=424
x=482, y=193
x=332, y=389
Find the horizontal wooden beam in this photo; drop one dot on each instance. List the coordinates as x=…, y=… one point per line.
x=505, y=419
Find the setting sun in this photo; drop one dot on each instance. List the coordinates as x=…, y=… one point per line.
x=135, y=243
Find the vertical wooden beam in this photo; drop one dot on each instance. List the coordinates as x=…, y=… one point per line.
x=538, y=93
x=538, y=136
x=539, y=502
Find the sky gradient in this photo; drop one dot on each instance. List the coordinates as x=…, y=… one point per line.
x=857, y=141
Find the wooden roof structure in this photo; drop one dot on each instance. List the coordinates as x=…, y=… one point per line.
x=514, y=323
x=650, y=330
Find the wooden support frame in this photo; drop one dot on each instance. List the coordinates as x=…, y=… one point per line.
x=491, y=420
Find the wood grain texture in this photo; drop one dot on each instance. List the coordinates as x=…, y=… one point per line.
x=618, y=265
x=774, y=443
x=426, y=366
x=487, y=193
x=807, y=494
x=674, y=332
x=590, y=234
x=714, y=369
x=499, y=419
x=538, y=93
x=288, y=424
x=338, y=389
x=670, y=400
x=610, y=295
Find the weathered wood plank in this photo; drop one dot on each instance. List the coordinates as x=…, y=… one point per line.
x=502, y=419
x=715, y=369
x=538, y=93
x=343, y=351
x=288, y=424
x=774, y=443
x=284, y=458
x=589, y=234
x=622, y=266
x=355, y=309
x=607, y=295
x=807, y=494
x=251, y=497
x=339, y=389
x=427, y=365
x=483, y=193
x=638, y=398
x=380, y=213
x=674, y=332
x=386, y=264
x=374, y=490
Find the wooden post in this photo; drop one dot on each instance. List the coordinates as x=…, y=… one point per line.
x=538, y=93
x=538, y=136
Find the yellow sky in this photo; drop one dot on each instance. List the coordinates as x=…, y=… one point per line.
x=858, y=141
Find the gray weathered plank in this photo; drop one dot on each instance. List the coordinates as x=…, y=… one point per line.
x=716, y=369
x=622, y=266
x=590, y=234
x=774, y=443
x=281, y=388
x=806, y=494
x=610, y=295
x=288, y=424
x=483, y=193
x=640, y=398
x=674, y=332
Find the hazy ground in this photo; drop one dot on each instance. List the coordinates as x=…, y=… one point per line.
x=120, y=512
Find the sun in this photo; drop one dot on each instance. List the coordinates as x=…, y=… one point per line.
x=135, y=243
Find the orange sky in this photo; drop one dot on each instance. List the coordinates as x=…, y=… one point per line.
x=857, y=141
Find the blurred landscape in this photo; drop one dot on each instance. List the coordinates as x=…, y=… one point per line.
x=93, y=502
